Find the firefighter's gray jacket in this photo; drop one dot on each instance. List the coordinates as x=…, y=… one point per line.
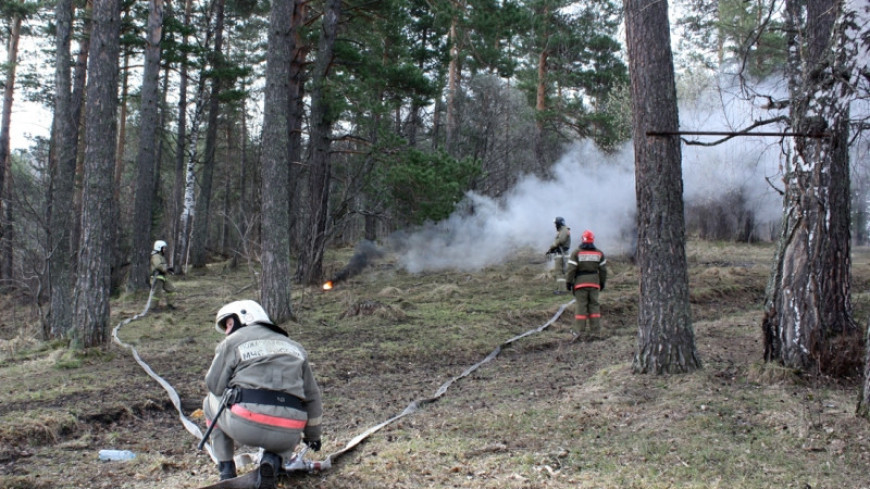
x=562, y=243
x=257, y=357
x=158, y=264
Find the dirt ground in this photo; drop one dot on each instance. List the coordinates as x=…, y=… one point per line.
x=549, y=410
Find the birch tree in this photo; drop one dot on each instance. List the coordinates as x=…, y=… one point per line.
x=178, y=187
x=808, y=300
x=203, y=203
x=188, y=209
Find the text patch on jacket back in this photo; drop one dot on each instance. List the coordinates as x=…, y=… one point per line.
x=260, y=348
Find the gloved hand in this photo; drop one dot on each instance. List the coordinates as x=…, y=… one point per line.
x=602, y=285
x=569, y=286
x=313, y=444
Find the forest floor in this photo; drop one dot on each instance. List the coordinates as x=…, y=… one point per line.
x=550, y=411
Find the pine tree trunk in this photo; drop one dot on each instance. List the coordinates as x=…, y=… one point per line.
x=121, y=236
x=243, y=211
x=199, y=242
x=275, y=256
x=666, y=342
x=5, y=167
x=452, y=86
x=92, y=290
x=122, y=129
x=78, y=104
x=63, y=165
x=541, y=97
x=808, y=301
x=149, y=119
x=864, y=399
x=226, y=217
x=295, y=117
x=310, y=266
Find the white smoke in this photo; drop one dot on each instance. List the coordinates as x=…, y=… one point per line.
x=590, y=189
x=593, y=190
x=750, y=165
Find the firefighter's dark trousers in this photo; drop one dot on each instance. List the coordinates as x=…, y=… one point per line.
x=587, y=315
x=163, y=289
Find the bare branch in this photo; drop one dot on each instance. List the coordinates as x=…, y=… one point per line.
x=732, y=134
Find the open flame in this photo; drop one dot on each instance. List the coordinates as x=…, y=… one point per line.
x=327, y=285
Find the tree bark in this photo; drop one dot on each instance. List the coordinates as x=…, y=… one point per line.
x=149, y=119
x=310, y=266
x=199, y=242
x=864, y=399
x=541, y=94
x=275, y=238
x=91, y=316
x=122, y=129
x=296, y=115
x=453, y=74
x=119, y=250
x=62, y=169
x=78, y=103
x=5, y=166
x=666, y=341
x=808, y=302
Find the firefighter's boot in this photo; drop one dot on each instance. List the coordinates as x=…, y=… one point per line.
x=580, y=323
x=270, y=464
x=227, y=470
x=595, y=327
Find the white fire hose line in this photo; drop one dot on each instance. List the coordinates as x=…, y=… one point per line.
x=415, y=405
x=173, y=395
x=297, y=463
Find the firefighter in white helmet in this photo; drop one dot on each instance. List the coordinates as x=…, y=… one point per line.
x=265, y=383
x=159, y=273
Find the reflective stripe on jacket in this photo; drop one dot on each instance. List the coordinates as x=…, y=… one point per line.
x=256, y=357
x=587, y=267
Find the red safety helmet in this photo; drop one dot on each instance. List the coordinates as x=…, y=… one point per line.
x=587, y=237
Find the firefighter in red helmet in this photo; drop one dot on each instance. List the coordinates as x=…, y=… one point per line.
x=586, y=276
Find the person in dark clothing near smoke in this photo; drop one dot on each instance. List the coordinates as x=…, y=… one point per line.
x=586, y=277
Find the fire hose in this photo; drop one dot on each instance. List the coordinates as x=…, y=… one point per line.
x=298, y=462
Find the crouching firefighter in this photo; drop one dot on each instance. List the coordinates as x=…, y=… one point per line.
x=261, y=392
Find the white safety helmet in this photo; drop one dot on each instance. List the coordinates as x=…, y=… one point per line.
x=248, y=312
x=158, y=246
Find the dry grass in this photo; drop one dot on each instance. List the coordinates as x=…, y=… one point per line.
x=548, y=412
